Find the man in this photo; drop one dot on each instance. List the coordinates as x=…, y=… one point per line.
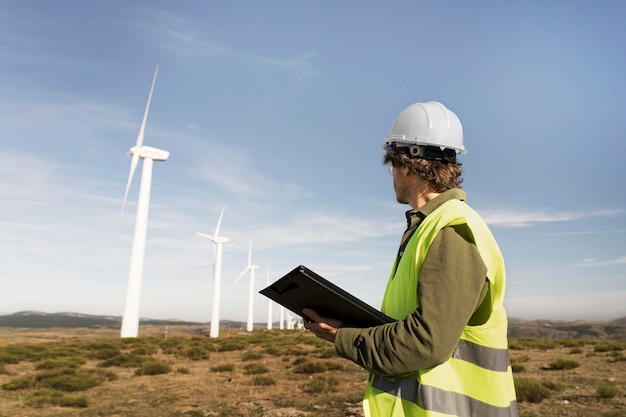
x=447, y=353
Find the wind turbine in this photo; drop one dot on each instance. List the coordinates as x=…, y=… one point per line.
x=269, y=303
x=250, y=268
x=130, y=320
x=218, y=241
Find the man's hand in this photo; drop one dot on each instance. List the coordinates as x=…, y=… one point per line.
x=322, y=327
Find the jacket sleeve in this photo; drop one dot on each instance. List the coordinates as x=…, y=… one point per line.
x=451, y=287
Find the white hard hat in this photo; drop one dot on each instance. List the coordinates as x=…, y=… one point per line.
x=423, y=127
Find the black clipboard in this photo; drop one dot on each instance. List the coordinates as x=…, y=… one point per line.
x=302, y=288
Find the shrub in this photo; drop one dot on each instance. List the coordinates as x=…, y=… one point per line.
x=67, y=362
x=520, y=359
x=328, y=353
x=173, y=346
x=322, y=384
x=153, y=368
x=310, y=368
x=531, y=391
x=230, y=344
x=70, y=380
x=102, y=353
x=65, y=380
x=606, y=390
x=6, y=357
x=101, y=345
x=50, y=396
x=572, y=342
x=523, y=343
x=256, y=369
x=575, y=350
x=299, y=360
x=18, y=353
x=227, y=367
x=144, y=350
x=608, y=346
x=263, y=380
x=296, y=352
x=273, y=350
x=125, y=360
x=517, y=344
x=559, y=364
x=61, y=352
x=197, y=353
x=334, y=366
x=516, y=367
x=250, y=356
x=183, y=371
x=23, y=382
x=544, y=344
x=552, y=385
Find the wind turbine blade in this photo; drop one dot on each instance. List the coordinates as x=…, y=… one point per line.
x=242, y=274
x=133, y=166
x=145, y=114
x=219, y=222
x=250, y=253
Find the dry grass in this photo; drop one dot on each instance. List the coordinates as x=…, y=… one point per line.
x=247, y=375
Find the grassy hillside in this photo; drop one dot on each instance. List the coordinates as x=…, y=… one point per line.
x=92, y=372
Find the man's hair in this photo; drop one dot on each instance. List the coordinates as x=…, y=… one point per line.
x=439, y=175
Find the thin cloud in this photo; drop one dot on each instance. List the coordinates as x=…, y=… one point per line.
x=232, y=171
x=302, y=64
x=75, y=117
x=187, y=43
x=593, y=262
x=588, y=232
x=509, y=218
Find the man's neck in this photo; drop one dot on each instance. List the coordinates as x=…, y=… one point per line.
x=422, y=198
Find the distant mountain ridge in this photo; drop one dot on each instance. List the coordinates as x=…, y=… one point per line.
x=37, y=319
x=559, y=329
x=545, y=329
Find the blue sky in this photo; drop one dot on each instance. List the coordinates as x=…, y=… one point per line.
x=277, y=110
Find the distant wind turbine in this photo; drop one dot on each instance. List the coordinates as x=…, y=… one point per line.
x=130, y=320
x=250, y=268
x=269, y=303
x=218, y=241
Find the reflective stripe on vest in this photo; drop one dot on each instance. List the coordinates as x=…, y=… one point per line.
x=440, y=401
x=483, y=356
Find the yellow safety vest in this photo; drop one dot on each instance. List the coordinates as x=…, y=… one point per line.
x=477, y=380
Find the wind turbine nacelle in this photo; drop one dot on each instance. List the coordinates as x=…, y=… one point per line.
x=218, y=239
x=149, y=152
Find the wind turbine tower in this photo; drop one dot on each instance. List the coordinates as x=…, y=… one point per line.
x=250, y=268
x=269, y=303
x=130, y=320
x=218, y=241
